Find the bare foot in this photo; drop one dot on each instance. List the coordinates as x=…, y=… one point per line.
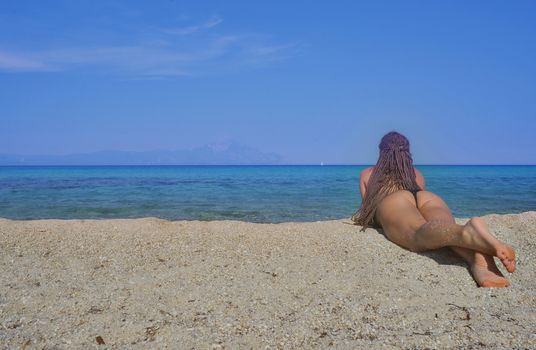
x=476, y=233
x=486, y=273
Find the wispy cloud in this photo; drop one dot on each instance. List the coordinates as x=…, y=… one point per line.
x=169, y=54
x=195, y=28
x=13, y=62
x=270, y=50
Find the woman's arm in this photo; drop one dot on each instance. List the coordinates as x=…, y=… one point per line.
x=363, y=180
x=420, y=179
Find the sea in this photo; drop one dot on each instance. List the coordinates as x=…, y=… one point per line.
x=267, y=194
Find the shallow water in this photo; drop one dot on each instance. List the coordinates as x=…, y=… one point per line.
x=248, y=193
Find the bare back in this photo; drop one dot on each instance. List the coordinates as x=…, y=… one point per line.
x=365, y=177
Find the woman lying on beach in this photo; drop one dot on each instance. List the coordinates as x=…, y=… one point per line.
x=394, y=199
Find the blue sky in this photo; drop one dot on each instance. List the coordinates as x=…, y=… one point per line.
x=311, y=81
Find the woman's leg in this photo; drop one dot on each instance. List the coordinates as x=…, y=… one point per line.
x=441, y=230
x=404, y=224
x=482, y=266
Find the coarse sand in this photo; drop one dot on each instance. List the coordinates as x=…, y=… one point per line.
x=152, y=283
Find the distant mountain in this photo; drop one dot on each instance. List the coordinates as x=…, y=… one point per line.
x=230, y=153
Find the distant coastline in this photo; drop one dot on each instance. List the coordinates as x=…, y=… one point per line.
x=215, y=154
x=231, y=153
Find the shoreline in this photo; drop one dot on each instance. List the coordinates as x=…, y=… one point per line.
x=343, y=219
x=151, y=282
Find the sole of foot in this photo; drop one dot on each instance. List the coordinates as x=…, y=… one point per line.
x=486, y=273
x=504, y=252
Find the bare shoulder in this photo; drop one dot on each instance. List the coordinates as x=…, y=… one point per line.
x=419, y=178
x=365, y=173
x=367, y=170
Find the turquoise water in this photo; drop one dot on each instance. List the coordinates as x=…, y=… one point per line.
x=248, y=193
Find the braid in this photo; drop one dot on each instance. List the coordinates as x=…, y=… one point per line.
x=393, y=171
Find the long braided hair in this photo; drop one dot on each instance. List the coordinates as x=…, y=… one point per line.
x=393, y=171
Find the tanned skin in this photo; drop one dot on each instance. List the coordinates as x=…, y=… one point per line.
x=430, y=225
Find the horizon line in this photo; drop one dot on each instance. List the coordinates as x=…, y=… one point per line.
x=222, y=165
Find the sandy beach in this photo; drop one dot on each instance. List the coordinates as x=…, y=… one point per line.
x=152, y=283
